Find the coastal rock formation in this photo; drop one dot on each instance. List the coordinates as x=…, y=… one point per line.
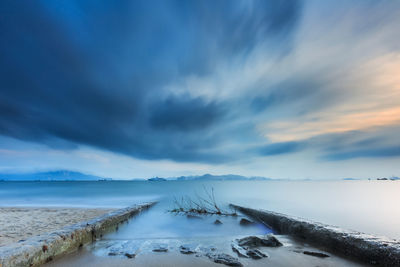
x=225, y=259
x=160, y=247
x=187, y=249
x=254, y=241
x=241, y=252
x=217, y=222
x=255, y=254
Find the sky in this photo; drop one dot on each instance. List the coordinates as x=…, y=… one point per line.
x=135, y=89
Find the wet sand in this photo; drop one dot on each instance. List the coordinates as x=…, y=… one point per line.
x=18, y=223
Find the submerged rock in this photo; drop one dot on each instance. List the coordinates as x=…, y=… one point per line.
x=241, y=252
x=130, y=255
x=256, y=254
x=246, y=222
x=217, y=222
x=254, y=241
x=160, y=248
x=225, y=259
x=315, y=254
x=187, y=249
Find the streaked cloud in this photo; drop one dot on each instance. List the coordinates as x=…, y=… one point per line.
x=201, y=85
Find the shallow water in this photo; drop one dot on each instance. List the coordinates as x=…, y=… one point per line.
x=367, y=206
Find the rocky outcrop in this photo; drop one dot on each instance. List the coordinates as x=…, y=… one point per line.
x=224, y=259
x=187, y=249
x=160, y=247
x=43, y=248
x=367, y=248
x=254, y=241
x=217, y=222
x=255, y=254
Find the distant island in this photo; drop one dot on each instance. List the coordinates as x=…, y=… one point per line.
x=210, y=177
x=67, y=175
x=156, y=179
x=59, y=175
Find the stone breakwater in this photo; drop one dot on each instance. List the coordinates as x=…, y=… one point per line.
x=44, y=248
x=366, y=248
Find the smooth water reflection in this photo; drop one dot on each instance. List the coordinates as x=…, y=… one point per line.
x=367, y=206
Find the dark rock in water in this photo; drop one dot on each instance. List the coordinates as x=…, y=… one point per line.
x=160, y=248
x=225, y=259
x=191, y=216
x=241, y=252
x=187, y=249
x=246, y=222
x=316, y=254
x=217, y=222
x=112, y=253
x=254, y=241
x=130, y=255
x=255, y=254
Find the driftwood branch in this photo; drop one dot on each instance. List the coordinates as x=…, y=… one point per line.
x=200, y=205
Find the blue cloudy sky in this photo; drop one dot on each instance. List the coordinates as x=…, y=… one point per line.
x=283, y=89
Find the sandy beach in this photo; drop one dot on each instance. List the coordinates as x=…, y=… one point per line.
x=17, y=223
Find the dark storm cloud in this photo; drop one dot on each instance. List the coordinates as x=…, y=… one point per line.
x=184, y=114
x=280, y=148
x=94, y=72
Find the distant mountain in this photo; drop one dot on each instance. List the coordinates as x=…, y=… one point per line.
x=227, y=177
x=156, y=179
x=60, y=175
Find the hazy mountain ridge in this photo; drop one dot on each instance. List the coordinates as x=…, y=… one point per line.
x=59, y=175
x=210, y=177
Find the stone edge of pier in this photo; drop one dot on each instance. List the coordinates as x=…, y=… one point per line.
x=362, y=247
x=44, y=248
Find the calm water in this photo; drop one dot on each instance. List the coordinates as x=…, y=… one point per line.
x=367, y=206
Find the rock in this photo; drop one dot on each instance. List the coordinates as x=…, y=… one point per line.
x=239, y=250
x=255, y=254
x=160, y=248
x=254, y=241
x=225, y=259
x=246, y=222
x=187, y=249
x=217, y=222
x=315, y=254
x=130, y=255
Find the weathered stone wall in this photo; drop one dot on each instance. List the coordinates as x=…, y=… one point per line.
x=43, y=248
x=367, y=248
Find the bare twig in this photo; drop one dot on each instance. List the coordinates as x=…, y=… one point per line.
x=206, y=206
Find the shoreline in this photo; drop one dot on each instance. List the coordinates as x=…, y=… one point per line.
x=48, y=246
x=20, y=223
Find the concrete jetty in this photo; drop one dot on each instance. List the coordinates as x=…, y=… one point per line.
x=363, y=247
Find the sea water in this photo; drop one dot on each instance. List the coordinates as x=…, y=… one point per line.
x=368, y=206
